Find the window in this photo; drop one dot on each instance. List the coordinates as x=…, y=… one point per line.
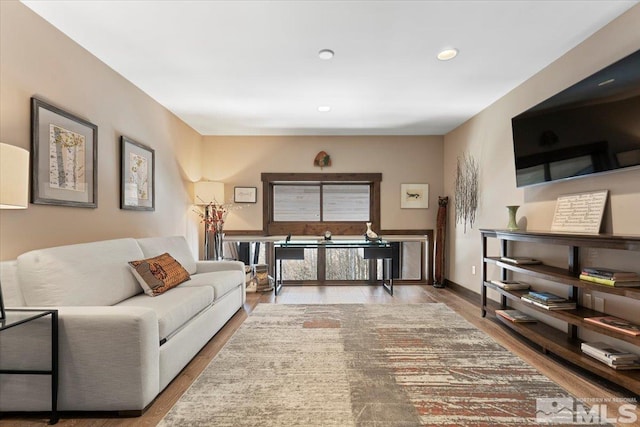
x=347, y=202
x=321, y=202
x=310, y=204
x=296, y=202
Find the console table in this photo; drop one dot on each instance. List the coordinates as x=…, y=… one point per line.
x=375, y=249
x=17, y=317
x=565, y=344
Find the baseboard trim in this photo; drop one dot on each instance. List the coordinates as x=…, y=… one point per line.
x=462, y=291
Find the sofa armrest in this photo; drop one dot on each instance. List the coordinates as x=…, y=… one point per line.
x=211, y=266
x=108, y=359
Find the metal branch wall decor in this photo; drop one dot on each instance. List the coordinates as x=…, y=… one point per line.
x=466, y=202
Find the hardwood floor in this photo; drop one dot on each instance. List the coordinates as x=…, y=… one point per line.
x=577, y=382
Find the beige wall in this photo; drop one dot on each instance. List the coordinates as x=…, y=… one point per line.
x=38, y=60
x=239, y=161
x=487, y=137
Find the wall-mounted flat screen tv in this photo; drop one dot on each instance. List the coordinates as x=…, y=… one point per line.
x=591, y=127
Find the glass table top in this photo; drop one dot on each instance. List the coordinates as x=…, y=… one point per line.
x=337, y=243
x=15, y=317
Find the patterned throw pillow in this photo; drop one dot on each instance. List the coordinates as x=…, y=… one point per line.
x=159, y=274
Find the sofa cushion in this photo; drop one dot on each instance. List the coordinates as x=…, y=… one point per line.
x=173, y=308
x=221, y=282
x=158, y=274
x=176, y=245
x=94, y=273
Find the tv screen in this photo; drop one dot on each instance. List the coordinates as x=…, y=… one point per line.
x=591, y=127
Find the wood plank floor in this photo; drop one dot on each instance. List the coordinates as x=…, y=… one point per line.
x=577, y=382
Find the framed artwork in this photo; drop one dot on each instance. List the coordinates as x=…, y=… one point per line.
x=245, y=194
x=64, y=150
x=137, y=176
x=414, y=196
x=580, y=213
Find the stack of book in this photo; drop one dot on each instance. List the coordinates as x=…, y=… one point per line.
x=609, y=277
x=510, y=285
x=548, y=301
x=610, y=356
x=515, y=316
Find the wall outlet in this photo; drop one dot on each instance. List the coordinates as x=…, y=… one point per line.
x=473, y=270
x=586, y=301
x=598, y=304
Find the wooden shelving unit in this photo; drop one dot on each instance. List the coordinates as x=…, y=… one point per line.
x=563, y=344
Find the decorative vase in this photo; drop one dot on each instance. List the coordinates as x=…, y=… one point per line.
x=218, y=242
x=513, y=225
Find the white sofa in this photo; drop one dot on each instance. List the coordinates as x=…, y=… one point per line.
x=118, y=347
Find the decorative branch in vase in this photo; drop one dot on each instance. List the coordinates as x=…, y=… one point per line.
x=213, y=216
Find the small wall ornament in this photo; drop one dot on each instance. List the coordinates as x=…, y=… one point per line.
x=322, y=159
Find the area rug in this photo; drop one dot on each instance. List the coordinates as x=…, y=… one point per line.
x=362, y=365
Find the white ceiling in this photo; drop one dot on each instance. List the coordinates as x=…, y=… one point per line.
x=251, y=67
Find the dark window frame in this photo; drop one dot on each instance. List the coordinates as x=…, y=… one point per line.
x=337, y=228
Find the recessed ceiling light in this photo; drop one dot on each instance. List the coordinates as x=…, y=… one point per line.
x=447, y=54
x=606, y=82
x=324, y=108
x=325, y=54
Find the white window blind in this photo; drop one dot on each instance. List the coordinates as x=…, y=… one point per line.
x=345, y=202
x=296, y=202
x=340, y=202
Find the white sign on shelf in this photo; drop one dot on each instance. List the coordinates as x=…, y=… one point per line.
x=580, y=213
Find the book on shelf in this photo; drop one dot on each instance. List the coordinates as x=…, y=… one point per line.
x=520, y=260
x=608, y=351
x=515, y=316
x=549, y=305
x=622, y=283
x=607, y=273
x=607, y=360
x=620, y=367
x=510, y=285
x=547, y=296
x=616, y=324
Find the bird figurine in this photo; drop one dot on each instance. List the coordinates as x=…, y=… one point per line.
x=371, y=235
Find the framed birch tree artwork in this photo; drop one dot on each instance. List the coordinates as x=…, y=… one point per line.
x=64, y=149
x=137, y=176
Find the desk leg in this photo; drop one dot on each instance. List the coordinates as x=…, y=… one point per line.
x=54, y=368
x=278, y=285
x=387, y=274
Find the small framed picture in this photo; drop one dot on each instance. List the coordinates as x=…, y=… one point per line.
x=64, y=149
x=137, y=176
x=414, y=196
x=245, y=194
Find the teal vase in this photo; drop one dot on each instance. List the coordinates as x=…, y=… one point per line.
x=513, y=225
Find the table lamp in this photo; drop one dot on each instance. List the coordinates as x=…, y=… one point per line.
x=14, y=184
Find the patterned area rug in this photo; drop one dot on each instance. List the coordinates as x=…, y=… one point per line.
x=362, y=365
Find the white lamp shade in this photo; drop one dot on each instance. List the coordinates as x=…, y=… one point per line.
x=206, y=192
x=14, y=177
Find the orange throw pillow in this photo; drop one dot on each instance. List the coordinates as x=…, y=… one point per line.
x=159, y=274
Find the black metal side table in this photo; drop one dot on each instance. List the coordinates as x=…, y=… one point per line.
x=17, y=317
